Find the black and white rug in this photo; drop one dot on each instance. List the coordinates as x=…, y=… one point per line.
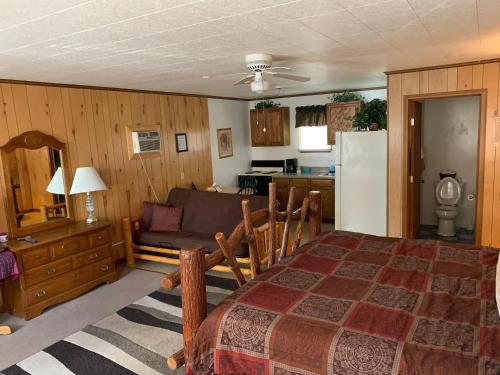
x=135, y=340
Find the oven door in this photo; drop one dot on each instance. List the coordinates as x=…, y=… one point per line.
x=258, y=184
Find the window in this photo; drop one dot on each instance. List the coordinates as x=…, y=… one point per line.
x=313, y=139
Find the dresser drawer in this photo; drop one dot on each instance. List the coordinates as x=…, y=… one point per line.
x=98, y=238
x=36, y=257
x=47, y=271
x=52, y=288
x=91, y=256
x=95, y=270
x=68, y=246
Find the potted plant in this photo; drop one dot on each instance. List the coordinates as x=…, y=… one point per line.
x=346, y=96
x=267, y=104
x=373, y=115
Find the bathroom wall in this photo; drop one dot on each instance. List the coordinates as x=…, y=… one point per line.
x=449, y=141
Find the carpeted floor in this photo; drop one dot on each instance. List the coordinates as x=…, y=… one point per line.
x=135, y=340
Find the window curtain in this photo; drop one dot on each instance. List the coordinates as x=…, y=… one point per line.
x=311, y=115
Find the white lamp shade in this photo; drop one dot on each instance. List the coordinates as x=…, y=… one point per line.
x=87, y=180
x=56, y=185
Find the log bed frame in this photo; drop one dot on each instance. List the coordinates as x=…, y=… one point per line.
x=194, y=262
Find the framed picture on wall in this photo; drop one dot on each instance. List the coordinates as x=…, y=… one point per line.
x=225, y=142
x=181, y=142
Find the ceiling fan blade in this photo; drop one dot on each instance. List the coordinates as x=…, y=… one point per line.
x=279, y=68
x=244, y=81
x=291, y=76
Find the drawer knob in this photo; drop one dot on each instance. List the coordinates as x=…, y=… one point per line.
x=93, y=256
x=104, y=267
x=40, y=293
x=51, y=270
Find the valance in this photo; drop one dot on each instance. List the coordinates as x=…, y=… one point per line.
x=311, y=115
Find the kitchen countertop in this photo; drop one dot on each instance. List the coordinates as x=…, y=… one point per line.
x=324, y=176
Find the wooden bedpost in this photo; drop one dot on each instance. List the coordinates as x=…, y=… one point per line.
x=127, y=238
x=194, y=294
x=271, y=237
x=315, y=214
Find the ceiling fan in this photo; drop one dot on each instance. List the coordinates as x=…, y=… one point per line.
x=261, y=66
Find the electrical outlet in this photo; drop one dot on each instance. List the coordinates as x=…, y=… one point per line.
x=182, y=175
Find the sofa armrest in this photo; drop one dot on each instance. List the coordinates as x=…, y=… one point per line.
x=130, y=225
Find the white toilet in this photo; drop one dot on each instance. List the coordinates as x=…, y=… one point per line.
x=448, y=193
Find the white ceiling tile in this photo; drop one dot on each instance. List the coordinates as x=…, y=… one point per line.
x=309, y=8
x=386, y=15
x=335, y=24
x=22, y=11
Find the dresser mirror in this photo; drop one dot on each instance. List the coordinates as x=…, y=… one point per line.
x=36, y=183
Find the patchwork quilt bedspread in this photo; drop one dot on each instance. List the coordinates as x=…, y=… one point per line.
x=350, y=304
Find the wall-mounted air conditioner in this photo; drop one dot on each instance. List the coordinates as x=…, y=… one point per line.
x=143, y=141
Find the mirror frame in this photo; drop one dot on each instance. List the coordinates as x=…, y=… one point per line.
x=33, y=140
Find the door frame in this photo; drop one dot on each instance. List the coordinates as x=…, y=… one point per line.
x=482, y=94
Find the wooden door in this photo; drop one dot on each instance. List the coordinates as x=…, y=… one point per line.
x=414, y=123
x=257, y=125
x=274, y=127
x=339, y=118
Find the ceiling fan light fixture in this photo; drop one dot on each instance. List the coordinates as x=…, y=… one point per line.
x=259, y=86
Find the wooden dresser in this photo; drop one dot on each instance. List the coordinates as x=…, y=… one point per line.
x=63, y=264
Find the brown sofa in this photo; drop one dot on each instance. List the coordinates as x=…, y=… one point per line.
x=204, y=214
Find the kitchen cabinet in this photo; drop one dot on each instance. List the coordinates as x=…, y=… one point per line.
x=270, y=126
x=339, y=118
x=325, y=186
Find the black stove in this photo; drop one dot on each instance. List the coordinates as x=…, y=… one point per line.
x=259, y=177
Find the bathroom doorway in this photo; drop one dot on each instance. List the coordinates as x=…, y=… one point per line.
x=444, y=139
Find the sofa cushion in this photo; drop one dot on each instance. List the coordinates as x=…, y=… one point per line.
x=209, y=212
x=166, y=218
x=178, y=240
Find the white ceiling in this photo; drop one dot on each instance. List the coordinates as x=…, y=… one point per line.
x=168, y=45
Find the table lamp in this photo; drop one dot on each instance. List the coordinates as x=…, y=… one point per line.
x=87, y=180
x=56, y=185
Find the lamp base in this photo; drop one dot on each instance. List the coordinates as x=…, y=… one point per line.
x=89, y=205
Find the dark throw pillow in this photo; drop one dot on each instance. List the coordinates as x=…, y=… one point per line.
x=166, y=219
x=147, y=215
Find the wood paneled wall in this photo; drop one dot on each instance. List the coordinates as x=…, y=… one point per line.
x=433, y=81
x=92, y=124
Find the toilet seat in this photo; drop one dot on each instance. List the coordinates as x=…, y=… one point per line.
x=448, y=191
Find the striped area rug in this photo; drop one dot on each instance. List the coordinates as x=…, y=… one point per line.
x=135, y=340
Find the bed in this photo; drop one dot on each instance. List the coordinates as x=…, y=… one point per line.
x=349, y=303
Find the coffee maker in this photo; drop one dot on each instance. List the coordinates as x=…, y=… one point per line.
x=291, y=165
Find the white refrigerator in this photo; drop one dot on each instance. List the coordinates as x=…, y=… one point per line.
x=361, y=182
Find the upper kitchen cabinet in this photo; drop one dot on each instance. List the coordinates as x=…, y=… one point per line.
x=270, y=126
x=339, y=118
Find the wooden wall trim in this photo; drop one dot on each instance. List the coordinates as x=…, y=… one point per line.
x=444, y=66
x=322, y=92
x=71, y=85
